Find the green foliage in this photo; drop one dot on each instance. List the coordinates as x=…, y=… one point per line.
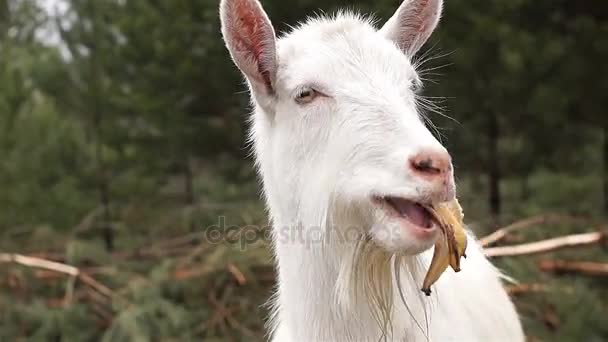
x=41, y=323
x=130, y=135
x=48, y=169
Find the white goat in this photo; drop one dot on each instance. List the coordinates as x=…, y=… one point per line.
x=345, y=159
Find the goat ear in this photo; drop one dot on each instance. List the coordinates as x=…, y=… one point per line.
x=250, y=39
x=412, y=24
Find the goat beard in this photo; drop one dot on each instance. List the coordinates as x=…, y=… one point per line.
x=374, y=276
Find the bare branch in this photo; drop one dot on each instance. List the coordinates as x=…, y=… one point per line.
x=39, y=263
x=547, y=245
x=237, y=274
x=72, y=271
x=94, y=284
x=519, y=289
x=582, y=267
x=525, y=223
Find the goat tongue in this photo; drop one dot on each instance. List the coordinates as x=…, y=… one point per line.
x=414, y=212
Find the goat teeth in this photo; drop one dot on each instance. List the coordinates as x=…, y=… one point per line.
x=451, y=244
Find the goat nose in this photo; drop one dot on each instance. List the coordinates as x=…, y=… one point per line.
x=431, y=164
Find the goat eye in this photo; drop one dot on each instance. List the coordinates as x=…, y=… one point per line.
x=306, y=96
x=416, y=86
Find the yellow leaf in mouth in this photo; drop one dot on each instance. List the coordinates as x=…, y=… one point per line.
x=450, y=246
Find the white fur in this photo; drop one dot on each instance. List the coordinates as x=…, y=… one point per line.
x=346, y=271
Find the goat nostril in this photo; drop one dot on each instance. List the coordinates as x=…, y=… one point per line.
x=431, y=163
x=426, y=166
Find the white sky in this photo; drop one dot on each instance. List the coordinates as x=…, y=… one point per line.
x=49, y=34
x=51, y=5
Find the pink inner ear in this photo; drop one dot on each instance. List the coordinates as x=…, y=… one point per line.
x=254, y=37
x=421, y=15
x=416, y=21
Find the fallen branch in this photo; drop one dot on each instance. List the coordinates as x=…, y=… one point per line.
x=94, y=284
x=237, y=274
x=581, y=267
x=179, y=241
x=39, y=263
x=58, y=267
x=225, y=313
x=51, y=256
x=94, y=296
x=525, y=223
x=104, y=314
x=519, y=289
x=551, y=318
x=547, y=245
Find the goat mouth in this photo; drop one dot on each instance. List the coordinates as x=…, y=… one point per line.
x=414, y=215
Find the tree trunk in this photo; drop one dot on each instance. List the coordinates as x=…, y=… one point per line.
x=605, y=168
x=525, y=188
x=96, y=92
x=108, y=230
x=189, y=189
x=188, y=182
x=493, y=167
x=102, y=183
